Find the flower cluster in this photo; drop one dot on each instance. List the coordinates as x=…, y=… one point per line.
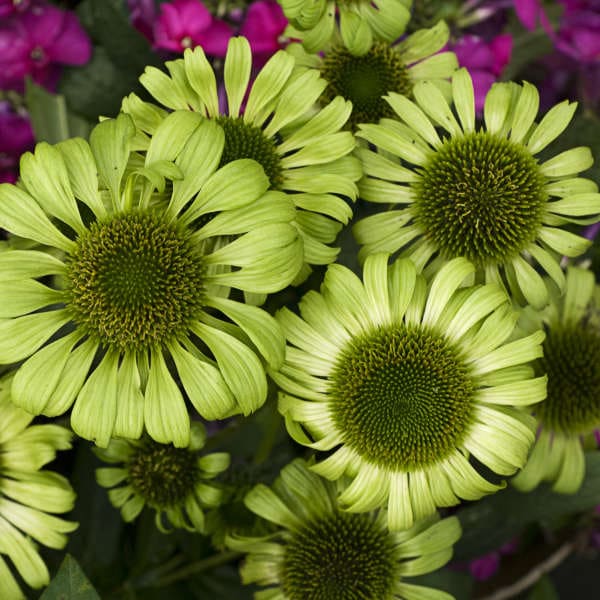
x=311, y=294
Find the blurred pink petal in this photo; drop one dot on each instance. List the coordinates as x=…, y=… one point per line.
x=264, y=24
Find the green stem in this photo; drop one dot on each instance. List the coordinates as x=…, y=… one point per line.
x=198, y=567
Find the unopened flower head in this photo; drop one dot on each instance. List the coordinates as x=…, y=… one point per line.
x=477, y=192
x=29, y=496
x=142, y=257
x=408, y=385
x=318, y=550
x=380, y=68
x=175, y=482
x=273, y=121
x=569, y=418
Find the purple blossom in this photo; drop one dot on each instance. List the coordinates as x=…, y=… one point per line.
x=486, y=566
x=142, y=14
x=187, y=23
x=263, y=26
x=578, y=33
x=37, y=42
x=9, y=7
x=485, y=61
x=531, y=14
x=16, y=137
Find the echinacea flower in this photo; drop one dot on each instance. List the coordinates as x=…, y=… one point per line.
x=184, y=24
x=361, y=24
x=30, y=497
x=569, y=418
x=301, y=149
x=478, y=192
x=175, y=482
x=383, y=68
x=318, y=550
x=408, y=385
x=141, y=279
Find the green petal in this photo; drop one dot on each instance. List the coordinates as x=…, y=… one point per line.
x=238, y=63
x=239, y=366
x=22, y=264
x=368, y=491
x=356, y=32
x=111, y=143
x=376, y=286
x=548, y=263
x=203, y=384
x=432, y=101
x=448, y=279
x=171, y=136
x=9, y=588
x=525, y=112
x=46, y=178
x=464, y=99
x=572, y=470
x=517, y=393
x=574, y=185
x=95, y=410
x=576, y=205
x=213, y=464
x=36, y=380
x=22, y=216
x=21, y=337
x=551, y=126
x=423, y=42
x=568, y=162
x=132, y=508
x=44, y=491
x=579, y=293
x=435, y=67
x=564, y=242
x=129, y=421
x=266, y=504
x=326, y=149
x=267, y=86
x=164, y=89
x=147, y=116
x=234, y=185
x=410, y=591
x=81, y=169
x=165, y=413
x=201, y=78
x=402, y=278
x=400, y=514
x=391, y=141
x=530, y=283
x=412, y=115
x=110, y=476
x=376, y=165
x=497, y=107
x=22, y=297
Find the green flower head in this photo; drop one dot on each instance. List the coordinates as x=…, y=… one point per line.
x=569, y=418
x=133, y=309
x=29, y=496
x=409, y=386
x=476, y=192
x=175, y=482
x=272, y=120
x=320, y=551
x=360, y=23
x=383, y=68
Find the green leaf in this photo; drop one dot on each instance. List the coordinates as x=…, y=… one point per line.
x=496, y=519
x=543, y=590
x=51, y=120
x=70, y=583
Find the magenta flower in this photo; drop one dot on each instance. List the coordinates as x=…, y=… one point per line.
x=485, y=61
x=37, y=42
x=8, y=7
x=531, y=14
x=263, y=26
x=142, y=15
x=486, y=566
x=579, y=30
x=16, y=137
x=187, y=23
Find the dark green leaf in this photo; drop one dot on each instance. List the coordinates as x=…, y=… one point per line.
x=70, y=583
x=543, y=590
x=494, y=520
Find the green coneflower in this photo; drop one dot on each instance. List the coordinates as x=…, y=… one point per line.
x=141, y=280
x=382, y=69
x=569, y=418
x=476, y=192
x=272, y=120
x=360, y=23
x=410, y=387
x=175, y=482
x=29, y=496
x=321, y=551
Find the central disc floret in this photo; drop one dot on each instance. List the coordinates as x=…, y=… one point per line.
x=243, y=140
x=401, y=397
x=162, y=474
x=364, y=80
x=135, y=281
x=341, y=557
x=480, y=196
x=572, y=362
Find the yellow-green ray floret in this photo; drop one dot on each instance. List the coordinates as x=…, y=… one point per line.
x=175, y=482
x=569, y=418
x=129, y=309
x=317, y=550
x=361, y=22
x=409, y=385
x=383, y=68
x=30, y=497
x=272, y=119
x=476, y=191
